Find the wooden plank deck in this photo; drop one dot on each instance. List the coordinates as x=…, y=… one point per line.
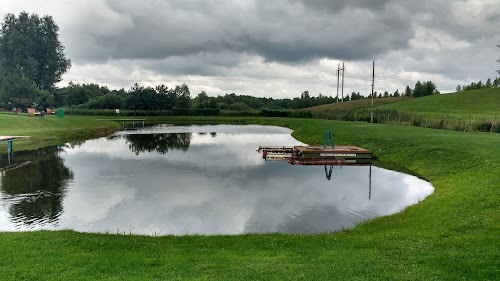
x=337, y=149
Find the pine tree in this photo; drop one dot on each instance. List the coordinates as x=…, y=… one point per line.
x=408, y=91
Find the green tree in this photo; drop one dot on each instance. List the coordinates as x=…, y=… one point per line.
x=240, y=106
x=20, y=92
x=141, y=98
x=396, y=93
x=165, y=98
x=183, y=96
x=107, y=101
x=408, y=91
x=488, y=83
x=212, y=103
x=202, y=97
x=30, y=48
x=75, y=94
x=429, y=88
x=496, y=82
x=419, y=89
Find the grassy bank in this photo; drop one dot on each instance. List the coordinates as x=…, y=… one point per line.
x=51, y=130
x=451, y=235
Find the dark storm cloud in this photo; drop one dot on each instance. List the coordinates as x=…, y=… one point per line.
x=284, y=42
x=283, y=31
x=201, y=63
x=467, y=20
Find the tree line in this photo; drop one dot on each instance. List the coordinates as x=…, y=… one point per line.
x=480, y=85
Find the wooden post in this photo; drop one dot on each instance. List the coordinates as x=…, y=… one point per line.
x=338, y=80
x=370, y=183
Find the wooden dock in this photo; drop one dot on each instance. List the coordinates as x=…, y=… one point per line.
x=319, y=155
x=340, y=151
x=123, y=121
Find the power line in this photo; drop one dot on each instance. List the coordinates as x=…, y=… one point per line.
x=498, y=71
x=300, y=79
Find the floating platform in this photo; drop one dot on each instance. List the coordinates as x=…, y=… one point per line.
x=318, y=155
x=340, y=151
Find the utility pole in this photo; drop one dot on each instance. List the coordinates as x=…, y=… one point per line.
x=343, y=70
x=498, y=71
x=338, y=77
x=373, y=84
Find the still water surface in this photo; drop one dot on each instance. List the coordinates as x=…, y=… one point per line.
x=194, y=180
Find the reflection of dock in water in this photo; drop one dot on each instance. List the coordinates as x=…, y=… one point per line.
x=345, y=155
x=329, y=172
x=9, y=161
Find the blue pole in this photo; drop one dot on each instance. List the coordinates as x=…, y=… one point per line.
x=9, y=151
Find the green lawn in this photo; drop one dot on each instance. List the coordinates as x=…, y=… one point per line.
x=52, y=130
x=452, y=235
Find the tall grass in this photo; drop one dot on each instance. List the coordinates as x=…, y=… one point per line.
x=476, y=110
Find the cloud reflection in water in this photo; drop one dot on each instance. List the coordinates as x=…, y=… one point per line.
x=216, y=184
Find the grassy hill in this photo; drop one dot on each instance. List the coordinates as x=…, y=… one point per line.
x=475, y=110
x=357, y=104
x=482, y=103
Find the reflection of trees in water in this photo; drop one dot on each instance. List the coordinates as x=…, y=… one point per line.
x=160, y=143
x=41, y=185
x=74, y=144
x=212, y=134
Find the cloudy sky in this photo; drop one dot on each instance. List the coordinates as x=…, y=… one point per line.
x=274, y=48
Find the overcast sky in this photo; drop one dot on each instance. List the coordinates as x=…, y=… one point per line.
x=276, y=48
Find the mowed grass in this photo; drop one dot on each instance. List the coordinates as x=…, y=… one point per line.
x=357, y=104
x=451, y=235
x=481, y=103
x=52, y=130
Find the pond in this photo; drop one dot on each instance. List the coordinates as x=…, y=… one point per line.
x=194, y=180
